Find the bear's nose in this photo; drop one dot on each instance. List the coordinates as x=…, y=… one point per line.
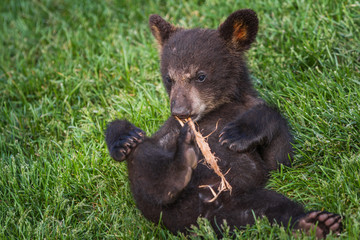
x=180, y=113
x=180, y=110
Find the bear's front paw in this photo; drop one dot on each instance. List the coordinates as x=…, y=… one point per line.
x=121, y=138
x=239, y=139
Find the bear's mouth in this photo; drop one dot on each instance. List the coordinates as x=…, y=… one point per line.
x=185, y=117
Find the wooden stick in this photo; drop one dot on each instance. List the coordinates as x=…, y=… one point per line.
x=210, y=159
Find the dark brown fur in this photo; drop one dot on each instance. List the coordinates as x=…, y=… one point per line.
x=206, y=77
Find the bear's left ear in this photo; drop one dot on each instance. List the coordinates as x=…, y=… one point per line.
x=161, y=29
x=239, y=29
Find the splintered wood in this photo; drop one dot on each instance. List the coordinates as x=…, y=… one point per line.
x=210, y=159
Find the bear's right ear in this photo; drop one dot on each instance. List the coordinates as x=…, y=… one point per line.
x=239, y=29
x=161, y=29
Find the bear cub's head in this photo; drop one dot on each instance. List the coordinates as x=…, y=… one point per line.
x=203, y=69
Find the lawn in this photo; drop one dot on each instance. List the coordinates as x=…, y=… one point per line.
x=69, y=67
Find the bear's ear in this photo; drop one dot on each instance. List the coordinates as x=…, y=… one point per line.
x=240, y=28
x=161, y=29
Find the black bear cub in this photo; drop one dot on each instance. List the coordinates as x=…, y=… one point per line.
x=205, y=74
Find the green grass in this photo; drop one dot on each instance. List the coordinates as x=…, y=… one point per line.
x=67, y=68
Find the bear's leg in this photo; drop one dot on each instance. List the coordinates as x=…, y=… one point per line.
x=185, y=160
x=158, y=175
x=263, y=128
x=239, y=210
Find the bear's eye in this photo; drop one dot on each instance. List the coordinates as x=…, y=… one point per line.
x=168, y=79
x=201, y=78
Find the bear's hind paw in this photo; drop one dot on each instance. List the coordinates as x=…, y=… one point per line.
x=321, y=222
